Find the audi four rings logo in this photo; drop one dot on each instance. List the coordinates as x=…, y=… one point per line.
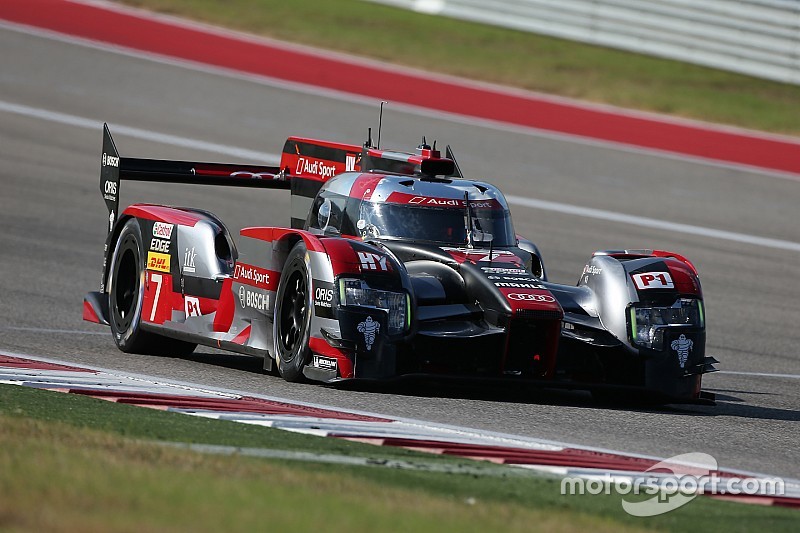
x=252, y=175
x=524, y=297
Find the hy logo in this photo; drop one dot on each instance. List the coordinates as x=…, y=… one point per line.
x=682, y=346
x=370, y=329
x=370, y=261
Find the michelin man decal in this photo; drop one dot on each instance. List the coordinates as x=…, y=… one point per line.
x=370, y=329
x=683, y=346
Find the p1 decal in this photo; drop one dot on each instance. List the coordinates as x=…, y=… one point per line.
x=653, y=280
x=192, y=306
x=157, y=261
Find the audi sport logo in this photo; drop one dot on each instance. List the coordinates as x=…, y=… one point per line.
x=526, y=297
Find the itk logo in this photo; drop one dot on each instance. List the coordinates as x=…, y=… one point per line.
x=682, y=346
x=371, y=261
x=370, y=329
x=188, y=260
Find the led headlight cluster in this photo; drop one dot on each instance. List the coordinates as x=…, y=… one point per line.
x=356, y=292
x=649, y=323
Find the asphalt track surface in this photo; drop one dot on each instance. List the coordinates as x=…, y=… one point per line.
x=54, y=96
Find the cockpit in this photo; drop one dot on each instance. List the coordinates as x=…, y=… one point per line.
x=447, y=212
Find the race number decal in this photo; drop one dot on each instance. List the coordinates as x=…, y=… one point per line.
x=653, y=280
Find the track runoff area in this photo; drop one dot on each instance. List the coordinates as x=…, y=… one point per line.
x=673, y=482
x=582, y=468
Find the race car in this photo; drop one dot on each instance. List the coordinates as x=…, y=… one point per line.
x=394, y=264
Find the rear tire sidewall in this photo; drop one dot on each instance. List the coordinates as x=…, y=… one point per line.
x=292, y=360
x=126, y=288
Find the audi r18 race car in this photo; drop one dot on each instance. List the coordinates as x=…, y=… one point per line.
x=394, y=264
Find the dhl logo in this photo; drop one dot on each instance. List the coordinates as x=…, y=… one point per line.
x=157, y=261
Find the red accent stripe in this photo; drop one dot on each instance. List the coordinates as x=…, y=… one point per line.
x=242, y=337
x=162, y=213
x=321, y=347
x=88, y=313
x=519, y=108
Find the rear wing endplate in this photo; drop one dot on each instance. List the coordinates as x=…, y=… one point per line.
x=114, y=169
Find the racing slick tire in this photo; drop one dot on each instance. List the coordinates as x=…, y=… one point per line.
x=125, y=297
x=293, y=316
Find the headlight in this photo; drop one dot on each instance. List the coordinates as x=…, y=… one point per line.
x=356, y=292
x=648, y=323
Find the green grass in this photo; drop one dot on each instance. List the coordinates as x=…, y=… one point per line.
x=73, y=463
x=508, y=57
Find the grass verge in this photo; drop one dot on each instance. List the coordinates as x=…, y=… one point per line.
x=72, y=463
x=508, y=57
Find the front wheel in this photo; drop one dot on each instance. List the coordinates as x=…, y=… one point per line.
x=125, y=297
x=292, y=323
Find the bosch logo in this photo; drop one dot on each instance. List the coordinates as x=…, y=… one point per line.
x=110, y=161
x=525, y=297
x=254, y=300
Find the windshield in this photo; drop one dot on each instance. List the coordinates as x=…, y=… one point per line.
x=436, y=224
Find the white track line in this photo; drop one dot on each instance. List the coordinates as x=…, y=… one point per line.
x=274, y=159
x=760, y=374
x=137, y=133
x=44, y=330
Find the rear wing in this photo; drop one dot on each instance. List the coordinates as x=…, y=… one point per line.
x=309, y=163
x=306, y=164
x=114, y=169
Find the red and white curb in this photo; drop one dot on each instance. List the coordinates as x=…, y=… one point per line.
x=534, y=454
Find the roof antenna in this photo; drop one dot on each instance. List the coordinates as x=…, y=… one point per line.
x=380, y=123
x=368, y=142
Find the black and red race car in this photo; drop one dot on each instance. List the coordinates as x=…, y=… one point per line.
x=394, y=264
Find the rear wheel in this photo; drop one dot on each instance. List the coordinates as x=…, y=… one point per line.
x=125, y=297
x=293, y=316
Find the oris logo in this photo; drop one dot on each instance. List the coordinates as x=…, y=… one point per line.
x=110, y=187
x=524, y=297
